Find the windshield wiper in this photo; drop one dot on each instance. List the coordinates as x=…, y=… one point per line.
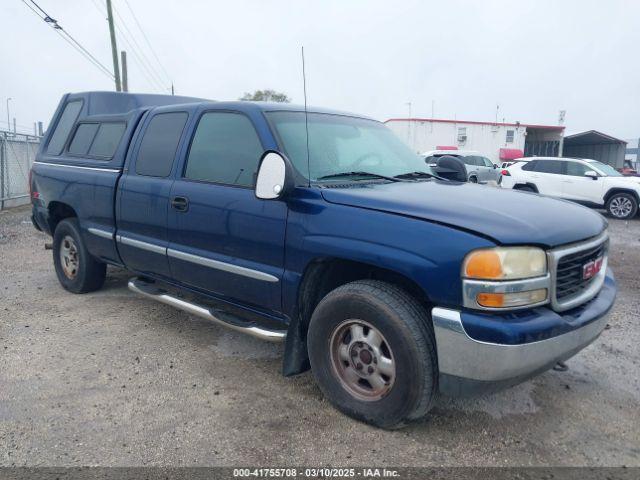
x=416, y=175
x=361, y=174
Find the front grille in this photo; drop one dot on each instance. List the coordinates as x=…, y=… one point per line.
x=569, y=281
x=569, y=288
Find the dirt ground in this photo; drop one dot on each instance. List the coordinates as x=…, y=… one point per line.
x=109, y=379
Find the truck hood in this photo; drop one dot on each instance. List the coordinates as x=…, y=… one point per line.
x=507, y=216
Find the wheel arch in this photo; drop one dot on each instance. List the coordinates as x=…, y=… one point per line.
x=59, y=211
x=321, y=276
x=612, y=191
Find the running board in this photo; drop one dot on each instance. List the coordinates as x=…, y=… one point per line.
x=149, y=290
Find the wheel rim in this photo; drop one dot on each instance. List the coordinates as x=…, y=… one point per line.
x=69, y=257
x=362, y=360
x=473, y=180
x=621, y=207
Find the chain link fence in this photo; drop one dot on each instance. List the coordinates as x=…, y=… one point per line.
x=17, y=154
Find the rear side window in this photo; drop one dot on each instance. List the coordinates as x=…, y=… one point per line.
x=107, y=140
x=530, y=166
x=549, y=166
x=225, y=149
x=63, y=127
x=159, y=144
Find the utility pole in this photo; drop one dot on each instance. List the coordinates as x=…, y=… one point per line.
x=123, y=62
x=15, y=130
x=114, y=47
x=172, y=91
x=40, y=129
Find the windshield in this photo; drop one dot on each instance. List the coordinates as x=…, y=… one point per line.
x=608, y=170
x=343, y=145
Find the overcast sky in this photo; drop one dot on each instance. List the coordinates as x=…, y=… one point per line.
x=533, y=58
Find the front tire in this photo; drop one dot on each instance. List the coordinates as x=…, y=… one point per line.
x=77, y=270
x=622, y=206
x=372, y=352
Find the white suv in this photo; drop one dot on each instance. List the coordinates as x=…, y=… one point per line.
x=589, y=182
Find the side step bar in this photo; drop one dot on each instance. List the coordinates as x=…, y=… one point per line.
x=149, y=290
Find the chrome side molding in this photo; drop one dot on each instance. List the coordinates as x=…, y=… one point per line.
x=218, y=265
x=79, y=167
x=98, y=232
x=149, y=247
x=151, y=291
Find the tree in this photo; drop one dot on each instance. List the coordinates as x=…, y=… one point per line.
x=266, y=96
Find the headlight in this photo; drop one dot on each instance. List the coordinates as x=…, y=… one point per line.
x=505, y=263
x=504, y=278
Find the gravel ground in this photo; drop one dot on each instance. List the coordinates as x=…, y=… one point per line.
x=109, y=378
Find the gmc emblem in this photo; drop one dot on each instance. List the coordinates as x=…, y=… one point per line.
x=590, y=269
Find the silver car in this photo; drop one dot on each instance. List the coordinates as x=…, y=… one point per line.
x=479, y=168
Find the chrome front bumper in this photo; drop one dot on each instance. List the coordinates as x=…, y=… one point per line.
x=459, y=355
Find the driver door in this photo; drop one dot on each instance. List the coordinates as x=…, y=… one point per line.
x=222, y=239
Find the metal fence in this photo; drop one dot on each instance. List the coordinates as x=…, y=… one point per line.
x=17, y=154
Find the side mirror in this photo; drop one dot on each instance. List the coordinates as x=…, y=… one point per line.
x=274, y=176
x=590, y=173
x=451, y=168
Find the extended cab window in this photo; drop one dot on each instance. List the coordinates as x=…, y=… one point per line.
x=97, y=139
x=225, y=149
x=63, y=128
x=159, y=144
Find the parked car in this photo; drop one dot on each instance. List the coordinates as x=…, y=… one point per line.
x=585, y=181
x=479, y=168
x=628, y=170
x=325, y=231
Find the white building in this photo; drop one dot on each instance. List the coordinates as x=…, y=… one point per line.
x=496, y=141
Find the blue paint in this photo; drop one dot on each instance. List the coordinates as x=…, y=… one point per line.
x=421, y=231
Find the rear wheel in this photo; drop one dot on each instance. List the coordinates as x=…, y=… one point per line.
x=76, y=269
x=622, y=206
x=473, y=179
x=372, y=352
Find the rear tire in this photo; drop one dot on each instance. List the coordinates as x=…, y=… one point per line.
x=622, y=206
x=77, y=270
x=473, y=179
x=372, y=352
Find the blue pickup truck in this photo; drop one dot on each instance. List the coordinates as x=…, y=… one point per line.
x=323, y=230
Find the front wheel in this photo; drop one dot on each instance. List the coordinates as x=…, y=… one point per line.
x=77, y=270
x=622, y=206
x=372, y=352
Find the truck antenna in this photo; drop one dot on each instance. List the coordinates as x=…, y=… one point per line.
x=306, y=116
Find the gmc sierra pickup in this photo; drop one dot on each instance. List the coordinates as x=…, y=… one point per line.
x=323, y=230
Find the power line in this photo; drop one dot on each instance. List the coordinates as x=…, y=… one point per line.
x=148, y=74
x=67, y=37
x=144, y=35
x=138, y=52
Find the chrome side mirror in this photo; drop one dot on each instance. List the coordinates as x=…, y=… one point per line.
x=591, y=174
x=274, y=175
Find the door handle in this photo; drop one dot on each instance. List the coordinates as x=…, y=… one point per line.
x=180, y=204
